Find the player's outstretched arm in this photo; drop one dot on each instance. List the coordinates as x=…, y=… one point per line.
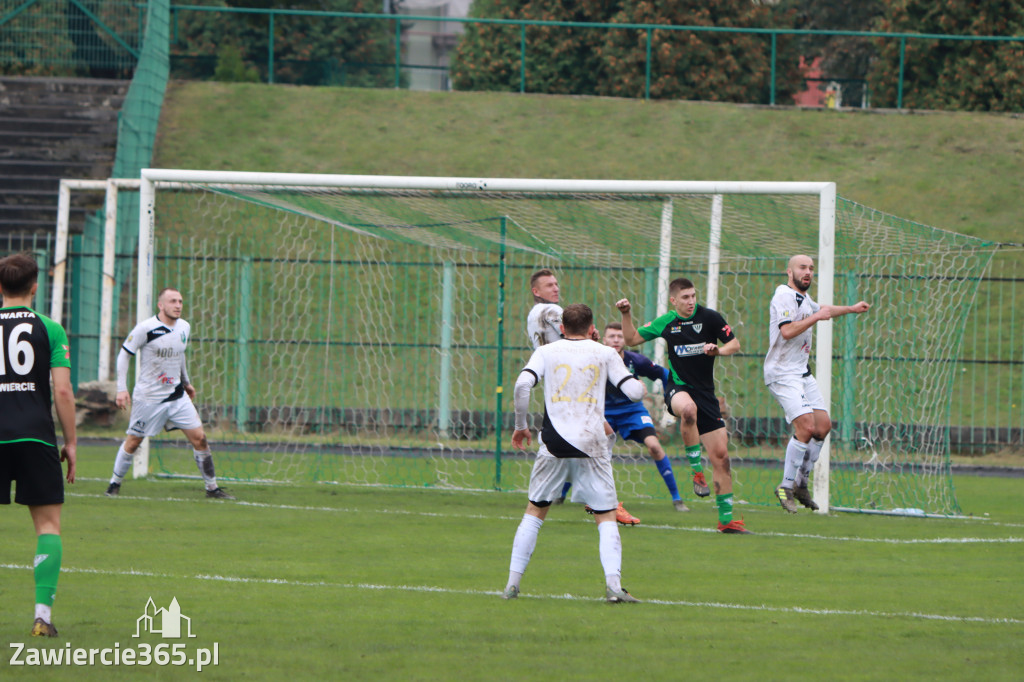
x=64, y=402
x=857, y=308
x=629, y=333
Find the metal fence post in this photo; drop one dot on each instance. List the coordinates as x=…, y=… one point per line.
x=522, y=58
x=647, y=68
x=899, y=85
x=270, y=51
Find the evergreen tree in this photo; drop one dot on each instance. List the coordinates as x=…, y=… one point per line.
x=952, y=74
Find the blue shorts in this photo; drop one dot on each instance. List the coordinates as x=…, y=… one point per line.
x=632, y=423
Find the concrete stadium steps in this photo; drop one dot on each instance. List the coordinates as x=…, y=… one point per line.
x=53, y=128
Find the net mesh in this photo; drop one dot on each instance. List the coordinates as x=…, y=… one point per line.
x=365, y=336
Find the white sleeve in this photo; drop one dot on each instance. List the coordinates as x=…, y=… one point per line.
x=528, y=378
x=123, y=360
x=552, y=319
x=136, y=339
x=783, y=309
x=521, y=396
x=621, y=378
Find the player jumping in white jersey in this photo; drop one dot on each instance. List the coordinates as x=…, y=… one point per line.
x=787, y=372
x=572, y=441
x=157, y=402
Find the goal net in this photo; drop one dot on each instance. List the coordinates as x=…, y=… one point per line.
x=368, y=329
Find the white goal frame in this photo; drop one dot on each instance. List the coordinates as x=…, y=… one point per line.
x=152, y=178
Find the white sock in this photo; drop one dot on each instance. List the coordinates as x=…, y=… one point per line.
x=795, y=451
x=204, y=460
x=121, y=466
x=610, y=548
x=522, y=548
x=43, y=611
x=813, y=452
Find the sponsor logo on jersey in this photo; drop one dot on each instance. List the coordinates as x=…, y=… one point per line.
x=687, y=349
x=676, y=329
x=17, y=315
x=165, y=352
x=727, y=329
x=67, y=351
x=164, y=379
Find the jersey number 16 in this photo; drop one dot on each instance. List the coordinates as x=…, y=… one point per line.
x=17, y=350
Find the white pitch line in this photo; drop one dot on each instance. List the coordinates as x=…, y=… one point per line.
x=641, y=527
x=568, y=597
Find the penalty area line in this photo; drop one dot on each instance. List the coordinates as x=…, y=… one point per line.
x=913, y=615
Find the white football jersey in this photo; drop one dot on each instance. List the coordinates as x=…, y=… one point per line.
x=788, y=357
x=575, y=373
x=162, y=359
x=542, y=324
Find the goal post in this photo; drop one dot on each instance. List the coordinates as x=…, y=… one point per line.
x=346, y=328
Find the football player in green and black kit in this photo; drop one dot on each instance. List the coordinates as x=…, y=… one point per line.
x=693, y=333
x=34, y=351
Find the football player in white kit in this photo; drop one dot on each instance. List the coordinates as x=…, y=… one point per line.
x=157, y=402
x=572, y=442
x=544, y=326
x=787, y=373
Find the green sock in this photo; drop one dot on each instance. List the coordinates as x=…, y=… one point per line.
x=693, y=454
x=724, y=503
x=48, y=553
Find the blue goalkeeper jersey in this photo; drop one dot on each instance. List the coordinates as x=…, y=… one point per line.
x=615, y=401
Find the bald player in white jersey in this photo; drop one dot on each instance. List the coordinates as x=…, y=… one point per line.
x=163, y=394
x=787, y=373
x=572, y=442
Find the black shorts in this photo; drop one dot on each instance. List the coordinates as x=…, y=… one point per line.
x=36, y=468
x=709, y=412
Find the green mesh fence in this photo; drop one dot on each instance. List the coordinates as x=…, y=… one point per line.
x=367, y=336
x=98, y=38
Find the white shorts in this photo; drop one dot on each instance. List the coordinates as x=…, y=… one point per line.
x=149, y=419
x=592, y=479
x=797, y=395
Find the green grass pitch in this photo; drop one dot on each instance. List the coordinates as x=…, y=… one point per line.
x=363, y=583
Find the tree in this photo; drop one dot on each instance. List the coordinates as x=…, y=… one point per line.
x=952, y=74
x=600, y=61
x=308, y=49
x=559, y=59
x=717, y=66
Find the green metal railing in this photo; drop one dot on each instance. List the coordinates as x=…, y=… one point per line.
x=772, y=33
x=28, y=30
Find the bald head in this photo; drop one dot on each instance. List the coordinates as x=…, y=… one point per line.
x=801, y=272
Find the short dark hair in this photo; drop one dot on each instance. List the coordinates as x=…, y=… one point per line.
x=18, y=272
x=613, y=325
x=544, y=272
x=577, y=318
x=165, y=290
x=679, y=284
